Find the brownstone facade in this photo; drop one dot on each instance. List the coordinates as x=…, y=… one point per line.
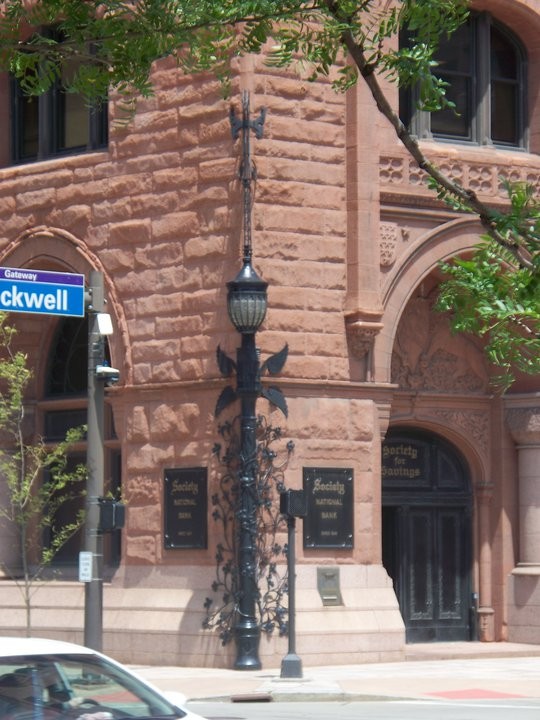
x=349, y=239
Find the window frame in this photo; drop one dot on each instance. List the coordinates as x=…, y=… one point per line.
x=50, y=122
x=480, y=125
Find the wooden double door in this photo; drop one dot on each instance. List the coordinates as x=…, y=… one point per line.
x=427, y=535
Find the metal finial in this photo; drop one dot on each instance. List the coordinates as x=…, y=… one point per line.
x=247, y=169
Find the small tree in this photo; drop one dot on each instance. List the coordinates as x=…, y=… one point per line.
x=32, y=500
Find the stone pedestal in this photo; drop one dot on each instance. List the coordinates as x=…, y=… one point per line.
x=524, y=581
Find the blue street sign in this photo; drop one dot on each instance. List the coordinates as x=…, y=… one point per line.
x=40, y=291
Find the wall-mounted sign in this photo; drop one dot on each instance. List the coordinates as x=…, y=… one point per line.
x=185, y=507
x=329, y=519
x=42, y=292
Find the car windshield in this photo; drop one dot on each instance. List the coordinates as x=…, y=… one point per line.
x=75, y=687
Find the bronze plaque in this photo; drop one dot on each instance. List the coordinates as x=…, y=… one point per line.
x=186, y=508
x=329, y=520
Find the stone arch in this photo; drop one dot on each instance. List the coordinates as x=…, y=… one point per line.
x=445, y=385
x=453, y=238
x=48, y=248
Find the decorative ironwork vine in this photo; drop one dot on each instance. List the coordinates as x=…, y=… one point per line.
x=271, y=576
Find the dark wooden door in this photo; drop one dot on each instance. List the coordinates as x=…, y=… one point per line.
x=436, y=602
x=427, y=537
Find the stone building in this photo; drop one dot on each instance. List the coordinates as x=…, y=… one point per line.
x=442, y=473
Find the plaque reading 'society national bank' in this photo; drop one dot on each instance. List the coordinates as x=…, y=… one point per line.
x=185, y=507
x=329, y=520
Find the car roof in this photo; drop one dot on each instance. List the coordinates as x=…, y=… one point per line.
x=10, y=646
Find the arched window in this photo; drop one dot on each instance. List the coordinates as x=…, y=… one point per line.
x=484, y=66
x=65, y=406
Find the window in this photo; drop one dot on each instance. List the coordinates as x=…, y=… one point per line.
x=55, y=123
x=484, y=65
x=65, y=406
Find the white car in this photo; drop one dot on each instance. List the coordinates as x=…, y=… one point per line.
x=51, y=680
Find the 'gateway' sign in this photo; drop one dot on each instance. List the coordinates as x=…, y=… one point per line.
x=40, y=291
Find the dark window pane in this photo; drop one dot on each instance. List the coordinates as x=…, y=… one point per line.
x=455, y=52
x=72, y=122
x=405, y=110
x=503, y=113
x=58, y=422
x=25, y=123
x=29, y=127
x=72, y=110
x=454, y=122
x=504, y=60
x=505, y=94
x=68, y=360
x=455, y=58
x=66, y=514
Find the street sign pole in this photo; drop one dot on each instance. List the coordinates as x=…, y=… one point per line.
x=93, y=537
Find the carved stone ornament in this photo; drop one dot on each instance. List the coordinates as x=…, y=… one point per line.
x=427, y=356
x=388, y=243
x=361, y=336
x=484, y=178
x=524, y=425
x=470, y=423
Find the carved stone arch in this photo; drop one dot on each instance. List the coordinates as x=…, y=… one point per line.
x=449, y=240
x=50, y=248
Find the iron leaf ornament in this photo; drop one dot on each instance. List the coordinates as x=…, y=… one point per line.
x=272, y=365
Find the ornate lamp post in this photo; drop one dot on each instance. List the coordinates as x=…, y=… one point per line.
x=246, y=305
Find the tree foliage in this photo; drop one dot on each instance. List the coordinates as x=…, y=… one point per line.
x=494, y=296
x=115, y=42
x=33, y=500
x=119, y=40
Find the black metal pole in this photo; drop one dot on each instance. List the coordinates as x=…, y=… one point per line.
x=291, y=665
x=247, y=631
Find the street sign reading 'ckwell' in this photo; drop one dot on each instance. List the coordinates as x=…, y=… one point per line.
x=41, y=291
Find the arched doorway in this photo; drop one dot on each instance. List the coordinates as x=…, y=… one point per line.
x=427, y=537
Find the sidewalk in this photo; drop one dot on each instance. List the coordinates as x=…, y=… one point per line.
x=454, y=671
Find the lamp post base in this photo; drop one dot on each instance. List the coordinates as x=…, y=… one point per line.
x=247, y=648
x=291, y=666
